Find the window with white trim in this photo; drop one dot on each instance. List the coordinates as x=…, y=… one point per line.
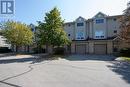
x=79, y=35
x=99, y=34
x=98, y=21
x=80, y=24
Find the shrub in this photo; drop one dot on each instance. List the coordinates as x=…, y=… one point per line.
x=39, y=50
x=4, y=50
x=59, y=51
x=125, y=52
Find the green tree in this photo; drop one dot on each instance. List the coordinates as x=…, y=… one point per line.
x=17, y=33
x=51, y=30
x=125, y=24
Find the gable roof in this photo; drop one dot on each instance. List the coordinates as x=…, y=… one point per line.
x=100, y=15
x=81, y=18
x=96, y=16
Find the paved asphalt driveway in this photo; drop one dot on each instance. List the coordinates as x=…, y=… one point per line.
x=74, y=71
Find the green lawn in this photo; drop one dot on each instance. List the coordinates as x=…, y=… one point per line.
x=126, y=59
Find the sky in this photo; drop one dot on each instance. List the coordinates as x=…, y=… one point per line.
x=31, y=11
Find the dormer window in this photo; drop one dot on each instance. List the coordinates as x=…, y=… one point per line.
x=80, y=24
x=99, y=21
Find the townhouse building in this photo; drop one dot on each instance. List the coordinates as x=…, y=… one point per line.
x=97, y=35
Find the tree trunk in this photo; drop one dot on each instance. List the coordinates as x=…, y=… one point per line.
x=28, y=48
x=49, y=49
x=12, y=48
x=53, y=49
x=16, y=48
x=47, y=46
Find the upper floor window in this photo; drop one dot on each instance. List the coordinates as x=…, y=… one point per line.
x=33, y=29
x=115, y=31
x=69, y=25
x=99, y=35
x=80, y=24
x=99, y=21
x=114, y=19
x=79, y=35
x=68, y=34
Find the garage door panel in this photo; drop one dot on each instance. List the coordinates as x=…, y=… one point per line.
x=80, y=49
x=100, y=49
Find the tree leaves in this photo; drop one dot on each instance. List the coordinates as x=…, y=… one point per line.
x=51, y=30
x=17, y=33
x=125, y=24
